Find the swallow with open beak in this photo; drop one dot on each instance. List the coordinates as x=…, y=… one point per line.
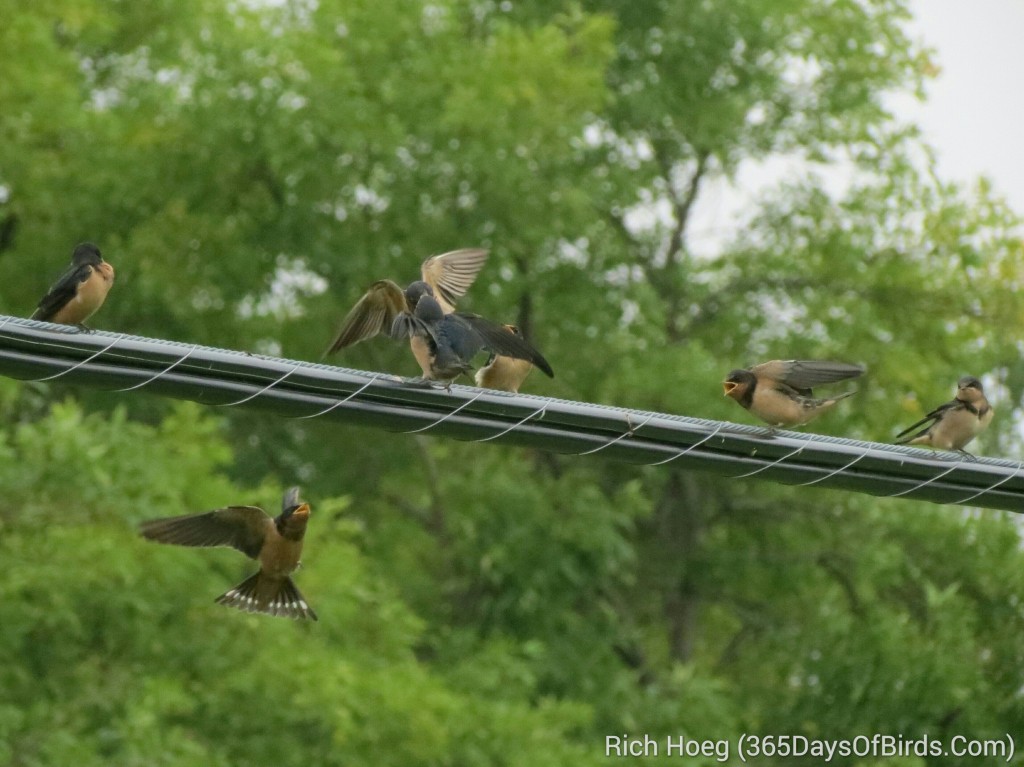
x=446, y=277
x=779, y=392
x=276, y=542
x=952, y=425
x=79, y=291
x=452, y=340
x=504, y=373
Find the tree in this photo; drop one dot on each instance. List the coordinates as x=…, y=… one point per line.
x=250, y=169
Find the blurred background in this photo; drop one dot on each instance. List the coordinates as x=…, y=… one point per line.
x=250, y=167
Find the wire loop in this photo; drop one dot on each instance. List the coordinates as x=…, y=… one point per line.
x=166, y=370
x=540, y=412
x=927, y=482
x=446, y=416
x=992, y=487
x=79, y=364
x=254, y=395
x=628, y=433
x=777, y=461
x=832, y=473
x=694, y=446
x=335, y=404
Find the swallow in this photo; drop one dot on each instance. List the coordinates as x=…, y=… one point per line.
x=446, y=277
x=276, y=542
x=504, y=373
x=79, y=291
x=451, y=340
x=779, y=392
x=952, y=425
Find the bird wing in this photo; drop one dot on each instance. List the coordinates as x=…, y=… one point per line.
x=62, y=291
x=449, y=275
x=500, y=340
x=930, y=420
x=373, y=314
x=408, y=325
x=804, y=374
x=240, y=527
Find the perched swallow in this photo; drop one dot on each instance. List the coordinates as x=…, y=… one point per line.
x=275, y=541
x=504, y=373
x=79, y=291
x=952, y=425
x=450, y=341
x=446, y=277
x=779, y=392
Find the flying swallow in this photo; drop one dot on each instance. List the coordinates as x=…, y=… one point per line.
x=779, y=392
x=952, y=425
x=79, y=291
x=447, y=277
x=276, y=542
x=450, y=341
x=504, y=373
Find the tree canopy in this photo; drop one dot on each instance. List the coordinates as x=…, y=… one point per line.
x=251, y=167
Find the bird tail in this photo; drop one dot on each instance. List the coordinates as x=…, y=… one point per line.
x=261, y=593
x=920, y=435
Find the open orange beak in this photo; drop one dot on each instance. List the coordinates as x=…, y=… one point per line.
x=302, y=511
x=728, y=387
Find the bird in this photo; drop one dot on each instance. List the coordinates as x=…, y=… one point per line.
x=504, y=373
x=779, y=392
x=79, y=291
x=447, y=277
x=276, y=542
x=954, y=424
x=450, y=341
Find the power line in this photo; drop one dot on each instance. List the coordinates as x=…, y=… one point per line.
x=39, y=351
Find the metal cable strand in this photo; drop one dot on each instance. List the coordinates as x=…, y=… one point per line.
x=844, y=467
x=927, y=482
x=331, y=407
x=992, y=487
x=540, y=412
x=628, y=433
x=694, y=446
x=79, y=364
x=777, y=461
x=269, y=386
x=30, y=350
x=166, y=370
x=446, y=416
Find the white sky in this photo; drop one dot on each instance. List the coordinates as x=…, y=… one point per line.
x=973, y=116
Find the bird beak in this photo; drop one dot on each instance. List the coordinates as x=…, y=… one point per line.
x=303, y=510
x=727, y=387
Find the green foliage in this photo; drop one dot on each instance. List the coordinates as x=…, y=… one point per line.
x=249, y=168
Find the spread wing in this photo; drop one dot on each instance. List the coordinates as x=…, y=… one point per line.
x=373, y=314
x=500, y=340
x=62, y=291
x=450, y=274
x=240, y=527
x=929, y=420
x=802, y=375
